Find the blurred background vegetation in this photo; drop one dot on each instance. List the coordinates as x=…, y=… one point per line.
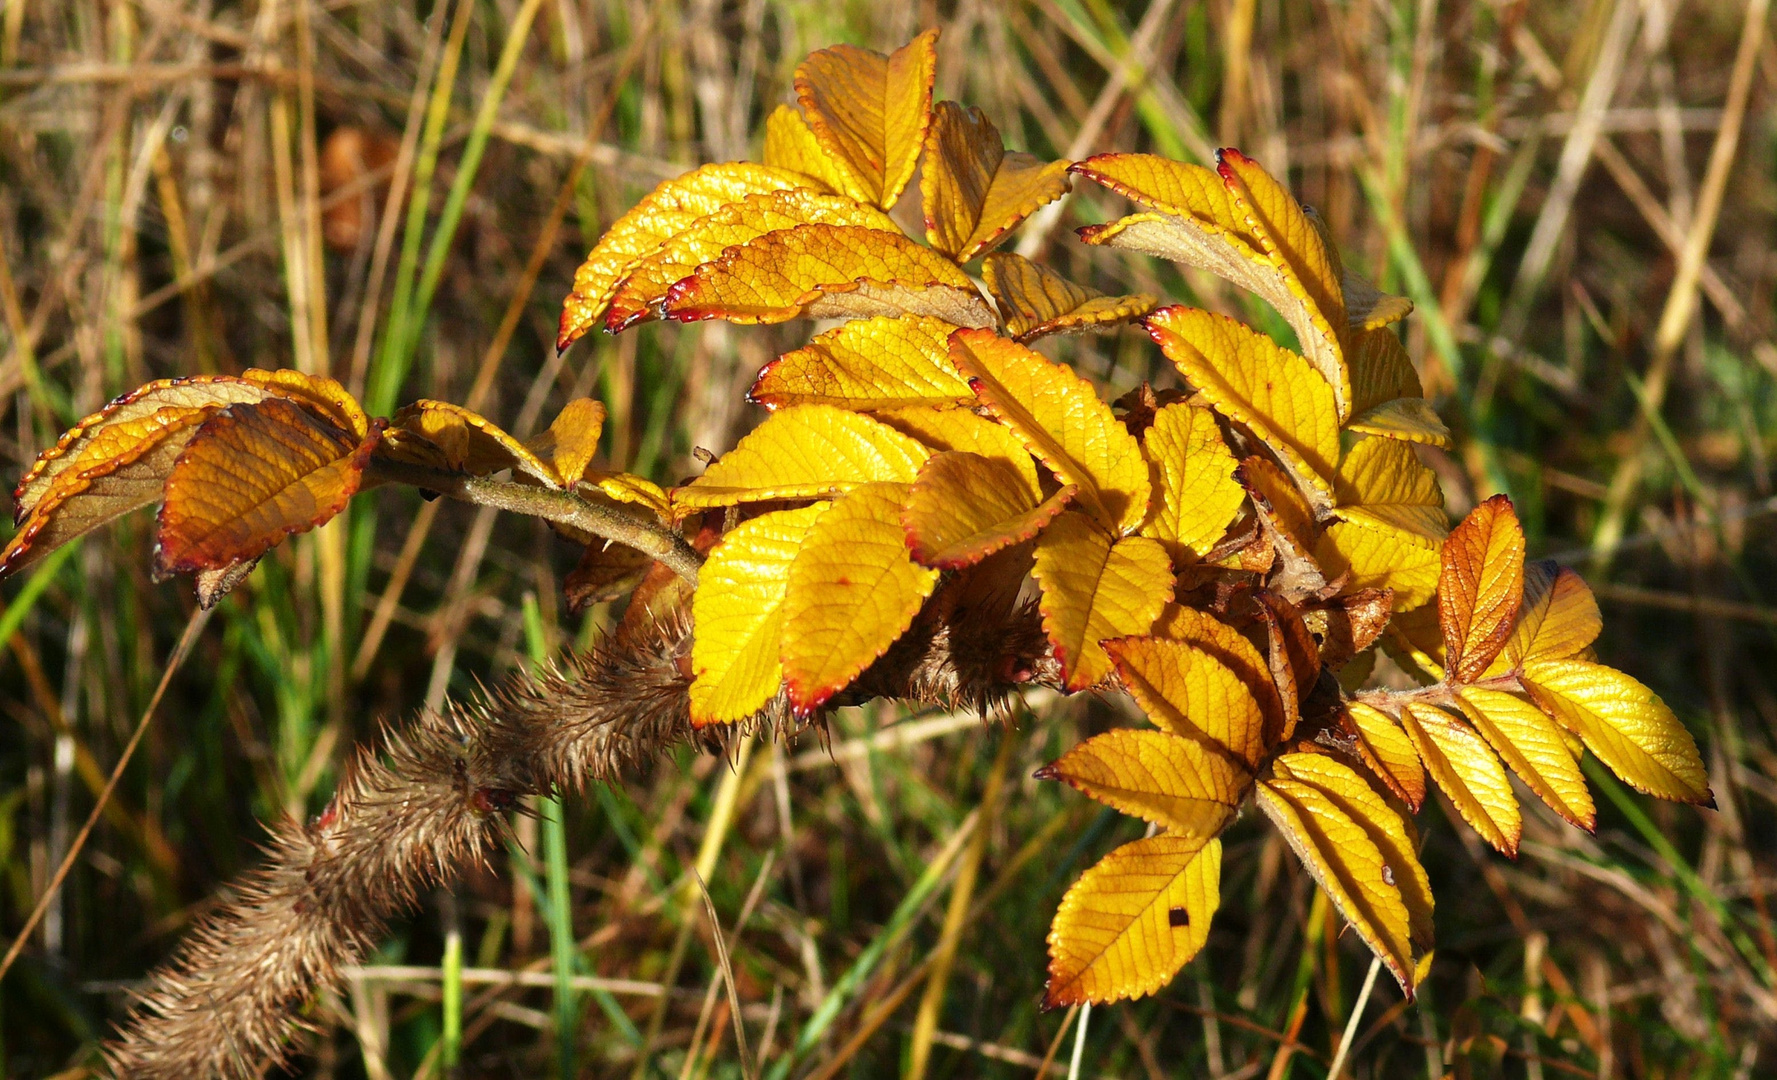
x=1580, y=198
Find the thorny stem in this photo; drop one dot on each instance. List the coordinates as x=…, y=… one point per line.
x=561, y=507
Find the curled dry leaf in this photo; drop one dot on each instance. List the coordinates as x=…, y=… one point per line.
x=1254, y=381
x=964, y=507
x=1132, y=921
x=974, y=191
x=806, y=452
x=252, y=475
x=1195, y=495
x=1480, y=587
x=606, y=571
x=738, y=614
x=1060, y=419
x=1035, y=301
x=827, y=272
x=870, y=112
x=672, y=207
x=1096, y=587
x=886, y=362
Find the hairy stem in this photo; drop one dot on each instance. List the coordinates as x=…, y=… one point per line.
x=561, y=507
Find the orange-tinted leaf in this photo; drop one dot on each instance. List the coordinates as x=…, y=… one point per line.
x=1558, y=619
x=805, y=452
x=737, y=611
x=1280, y=501
x=642, y=291
x=1179, y=784
x=252, y=475
x=870, y=112
x=790, y=144
x=1096, y=587
x=964, y=507
x=1254, y=381
x=1061, y=420
x=1293, y=655
x=852, y=591
x=1532, y=745
x=1383, y=480
x=827, y=272
x=1294, y=245
x=886, y=362
x=668, y=210
x=1036, y=301
x=1468, y=771
x=322, y=395
x=1191, y=693
x=1195, y=496
x=458, y=439
x=1625, y=724
x=973, y=190
x=1481, y=586
x=1132, y=921
x=1388, y=752
x=605, y=571
x=962, y=431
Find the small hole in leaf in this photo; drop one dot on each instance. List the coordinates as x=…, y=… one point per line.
x=1178, y=916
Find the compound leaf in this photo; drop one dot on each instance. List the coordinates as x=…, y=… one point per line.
x=827, y=272
x=1625, y=724
x=1060, y=419
x=870, y=112
x=852, y=591
x=805, y=452
x=737, y=611
x=885, y=362
x=1480, y=587
x=1532, y=745
x=1096, y=587
x=1178, y=784
x=1132, y=921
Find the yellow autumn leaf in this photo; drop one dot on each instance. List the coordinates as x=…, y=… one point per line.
x=1480, y=587
x=964, y=507
x=1625, y=724
x=1233, y=650
x=1207, y=219
x=737, y=612
x=1178, y=784
x=885, y=362
x=806, y=452
x=1354, y=797
x=1468, y=771
x=852, y=591
x=1254, y=381
x=1035, y=301
x=827, y=272
x=870, y=112
x=1060, y=419
x=973, y=190
x=1381, y=370
x=1348, y=866
x=644, y=288
x=790, y=144
x=572, y=440
x=1388, y=752
x=962, y=431
x=1379, y=556
x=668, y=210
x=1414, y=639
x=1558, y=618
x=1195, y=496
x=1189, y=692
x=461, y=440
x=1408, y=419
x=1532, y=745
x=629, y=488
x=1383, y=479
x=1133, y=920
x=252, y=475
x=1367, y=308
x=1096, y=587
x=1280, y=502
